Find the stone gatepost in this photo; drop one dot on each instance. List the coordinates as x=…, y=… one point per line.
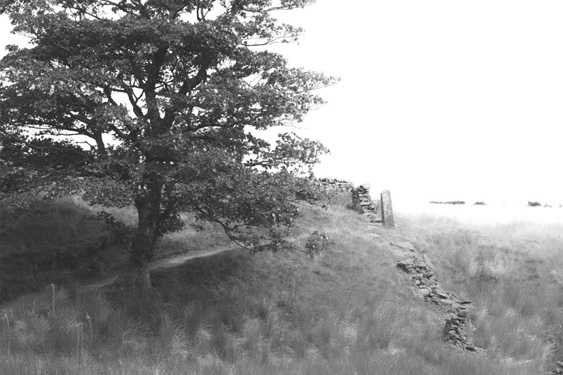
x=387, y=210
x=377, y=209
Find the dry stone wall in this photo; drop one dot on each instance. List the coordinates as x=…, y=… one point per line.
x=334, y=185
x=457, y=325
x=375, y=211
x=361, y=201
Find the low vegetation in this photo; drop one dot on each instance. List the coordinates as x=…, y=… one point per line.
x=337, y=304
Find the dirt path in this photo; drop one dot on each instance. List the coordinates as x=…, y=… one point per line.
x=159, y=264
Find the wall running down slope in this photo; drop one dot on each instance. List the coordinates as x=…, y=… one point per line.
x=417, y=265
x=421, y=271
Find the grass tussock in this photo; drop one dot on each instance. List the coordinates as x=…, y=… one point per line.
x=346, y=310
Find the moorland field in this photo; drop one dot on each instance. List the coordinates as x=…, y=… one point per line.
x=347, y=309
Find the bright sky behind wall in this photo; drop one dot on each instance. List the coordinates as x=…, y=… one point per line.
x=438, y=99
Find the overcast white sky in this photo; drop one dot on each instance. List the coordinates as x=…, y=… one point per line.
x=438, y=100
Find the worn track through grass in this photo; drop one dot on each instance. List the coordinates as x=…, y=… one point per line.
x=160, y=264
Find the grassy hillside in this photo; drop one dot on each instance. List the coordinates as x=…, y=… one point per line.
x=513, y=272
x=64, y=242
x=349, y=310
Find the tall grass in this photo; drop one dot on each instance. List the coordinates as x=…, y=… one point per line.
x=346, y=311
x=512, y=271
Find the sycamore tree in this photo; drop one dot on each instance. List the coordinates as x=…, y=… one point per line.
x=158, y=104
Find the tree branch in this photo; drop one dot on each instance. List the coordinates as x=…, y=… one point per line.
x=133, y=100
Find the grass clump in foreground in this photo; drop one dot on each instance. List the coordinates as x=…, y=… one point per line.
x=346, y=311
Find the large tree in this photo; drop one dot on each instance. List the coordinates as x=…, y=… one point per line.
x=158, y=103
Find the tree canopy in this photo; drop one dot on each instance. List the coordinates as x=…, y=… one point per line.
x=158, y=103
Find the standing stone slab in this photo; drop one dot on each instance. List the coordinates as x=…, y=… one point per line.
x=387, y=210
x=377, y=205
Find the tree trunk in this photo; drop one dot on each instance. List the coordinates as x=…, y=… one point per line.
x=137, y=273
